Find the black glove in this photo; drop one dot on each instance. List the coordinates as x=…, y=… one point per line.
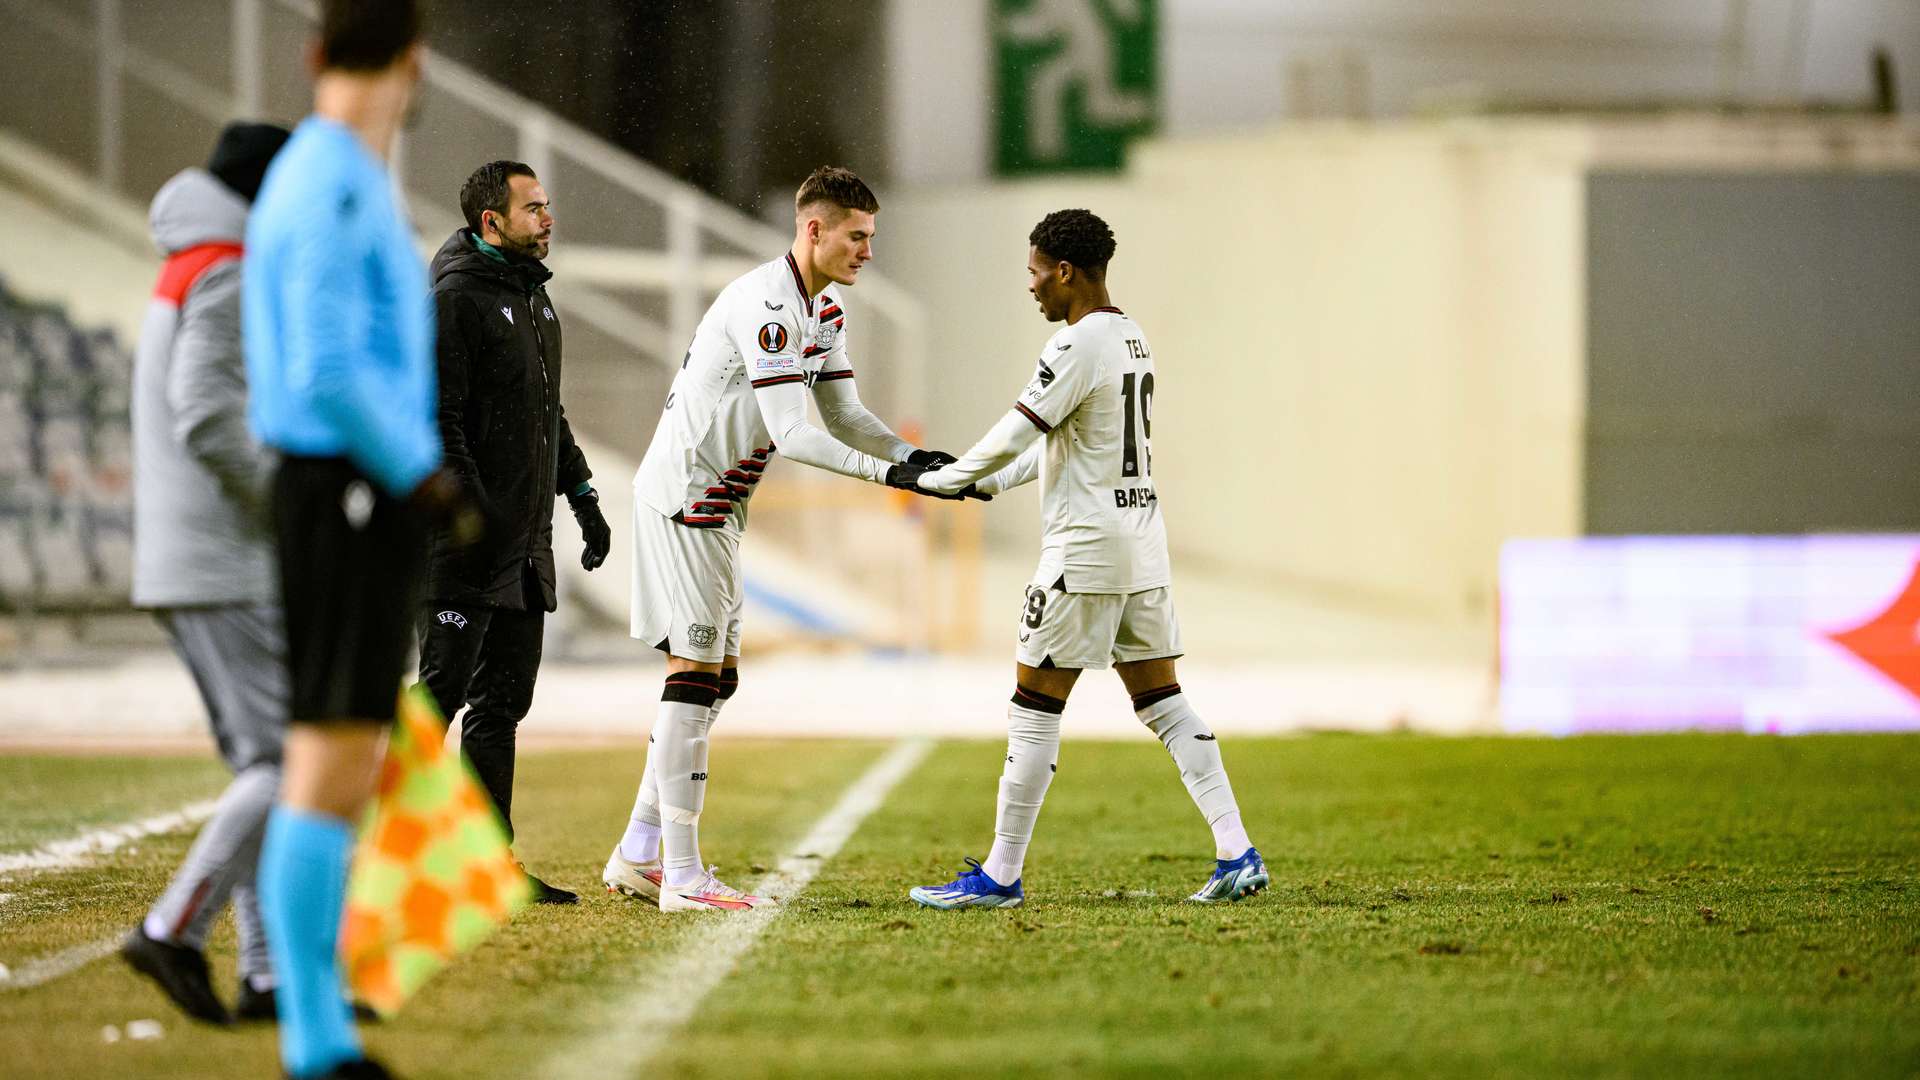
x=931, y=459
x=451, y=506
x=906, y=477
x=593, y=528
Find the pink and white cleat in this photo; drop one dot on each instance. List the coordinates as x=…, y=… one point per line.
x=709, y=894
x=638, y=880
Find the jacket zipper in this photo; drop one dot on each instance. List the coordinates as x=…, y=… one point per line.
x=540, y=445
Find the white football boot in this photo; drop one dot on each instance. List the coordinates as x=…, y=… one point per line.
x=708, y=894
x=638, y=880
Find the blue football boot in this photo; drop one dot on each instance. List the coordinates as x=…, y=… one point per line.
x=973, y=888
x=1233, y=879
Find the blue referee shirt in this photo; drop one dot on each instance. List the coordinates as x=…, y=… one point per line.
x=337, y=321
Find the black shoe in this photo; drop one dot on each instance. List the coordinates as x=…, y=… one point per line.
x=255, y=1006
x=362, y=1069
x=544, y=893
x=181, y=973
x=261, y=1005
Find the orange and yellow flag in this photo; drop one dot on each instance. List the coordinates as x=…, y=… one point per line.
x=433, y=873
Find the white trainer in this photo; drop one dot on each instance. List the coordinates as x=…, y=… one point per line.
x=709, y=894
x=638, y=880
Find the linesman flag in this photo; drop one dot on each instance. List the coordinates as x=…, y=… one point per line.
x=433, y=873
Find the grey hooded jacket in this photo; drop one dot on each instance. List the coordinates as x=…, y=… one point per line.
x=200, y=481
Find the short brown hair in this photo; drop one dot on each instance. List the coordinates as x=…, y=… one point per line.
x=838, y=186
x=366, y=35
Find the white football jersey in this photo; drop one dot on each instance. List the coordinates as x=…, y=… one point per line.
x=711, y=444
x=1092, y=395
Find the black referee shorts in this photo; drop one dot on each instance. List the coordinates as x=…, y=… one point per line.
x=350, y=567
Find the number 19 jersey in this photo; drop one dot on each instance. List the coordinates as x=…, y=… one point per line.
x=1092, y=394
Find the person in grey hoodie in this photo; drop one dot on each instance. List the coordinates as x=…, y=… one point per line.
x=203, y=562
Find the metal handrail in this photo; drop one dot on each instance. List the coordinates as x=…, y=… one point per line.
x=678, y=267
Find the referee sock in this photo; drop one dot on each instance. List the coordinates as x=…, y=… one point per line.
x=641, y=843
x=303, y=890
x=1167, y=714
x=679, y=752
x=1033, y=753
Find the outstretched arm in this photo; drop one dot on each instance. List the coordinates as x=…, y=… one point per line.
x=1023, y=471
x=783, y=407
x=1001, y=445
x=849, y=420
x=1060, y=383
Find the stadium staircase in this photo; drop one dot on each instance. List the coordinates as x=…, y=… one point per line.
x=142, y=93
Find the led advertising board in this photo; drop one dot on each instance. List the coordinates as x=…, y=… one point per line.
x=1724, y=633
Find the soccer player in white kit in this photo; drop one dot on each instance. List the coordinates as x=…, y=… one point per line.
x=774, y=334
x=1101, y=593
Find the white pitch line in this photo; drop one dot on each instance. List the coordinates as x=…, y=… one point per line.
x=75, y=851
x=48, y=968
x=634, y=1029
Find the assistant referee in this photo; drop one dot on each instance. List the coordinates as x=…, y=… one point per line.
x=338, y=333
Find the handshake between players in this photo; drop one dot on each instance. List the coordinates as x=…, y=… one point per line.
x=906, y=476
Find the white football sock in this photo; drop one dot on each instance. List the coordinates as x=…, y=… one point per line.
x=641, y=844
x=727, y=682
x=1033, y=752
x=679, y=742
x=1167, y=714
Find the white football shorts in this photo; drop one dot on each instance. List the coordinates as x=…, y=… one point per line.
x=1090, y=630
x=687, y=593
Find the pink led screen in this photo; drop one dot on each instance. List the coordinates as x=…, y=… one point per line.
x=1728, y=633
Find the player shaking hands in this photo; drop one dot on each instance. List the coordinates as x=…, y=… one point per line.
x=774, y=336
x=1102, y=592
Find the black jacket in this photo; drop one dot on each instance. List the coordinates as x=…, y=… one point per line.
x=498, y=346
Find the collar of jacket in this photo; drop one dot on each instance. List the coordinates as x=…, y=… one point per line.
x=466, y=253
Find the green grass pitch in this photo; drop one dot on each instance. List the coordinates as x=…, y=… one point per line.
x=1690, y=906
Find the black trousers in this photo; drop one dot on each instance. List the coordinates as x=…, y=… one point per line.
x=484, y=659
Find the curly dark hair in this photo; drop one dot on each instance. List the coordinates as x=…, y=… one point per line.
x=1075, y=236
x=832, y=184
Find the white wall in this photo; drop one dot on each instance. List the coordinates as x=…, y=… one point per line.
x=1238, y=64
x=1368, y=344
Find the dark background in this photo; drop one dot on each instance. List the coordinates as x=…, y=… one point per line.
x=691, y=87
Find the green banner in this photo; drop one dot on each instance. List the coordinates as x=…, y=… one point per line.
x=1076, y=80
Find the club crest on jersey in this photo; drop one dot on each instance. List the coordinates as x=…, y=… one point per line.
x=825, y=336
x=700, y=635
x=508, y=312
x=773, y=338
x=453, y=619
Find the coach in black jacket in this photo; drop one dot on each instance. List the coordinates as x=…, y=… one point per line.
x=506, y=434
